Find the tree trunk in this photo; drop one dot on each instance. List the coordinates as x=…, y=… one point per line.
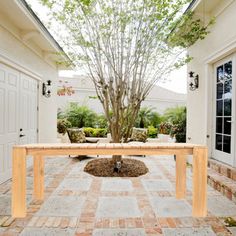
x=115, y=135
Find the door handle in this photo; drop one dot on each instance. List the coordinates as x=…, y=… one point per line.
x=22, y=135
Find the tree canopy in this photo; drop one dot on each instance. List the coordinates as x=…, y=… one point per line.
x=125, y=47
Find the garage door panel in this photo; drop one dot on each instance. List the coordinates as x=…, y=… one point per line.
x=2, y=76
x=2, y=111
x=13, y=79
x=24, y=112
x=8, y=161
x=18, y=109
x=26, y=84
x=12, y=111
x=2, y=155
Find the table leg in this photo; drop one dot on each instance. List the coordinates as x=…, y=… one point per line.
x=199, y=182
x=19, y=182
x=38, y=177
x=180, y=176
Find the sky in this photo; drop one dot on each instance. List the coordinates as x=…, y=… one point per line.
x=176, y=82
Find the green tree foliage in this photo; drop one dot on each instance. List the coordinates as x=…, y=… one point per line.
x=102, y=121
x=147, y=117
x=175, y=115
x=125, y=46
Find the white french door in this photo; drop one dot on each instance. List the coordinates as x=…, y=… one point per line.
x=224, y=110
x=18, y=114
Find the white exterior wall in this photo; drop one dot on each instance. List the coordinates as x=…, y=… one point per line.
x=220, y=43
x=159, y=98
x=20, y=56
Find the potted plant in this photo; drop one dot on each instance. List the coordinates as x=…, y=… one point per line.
x=164, y=131
x=62, y=126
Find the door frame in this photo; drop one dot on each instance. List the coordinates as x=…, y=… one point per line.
x=224, y=156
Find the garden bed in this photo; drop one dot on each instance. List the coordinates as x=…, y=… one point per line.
x=104, y=167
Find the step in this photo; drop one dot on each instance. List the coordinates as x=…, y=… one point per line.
x=222, y=169
x=222, y=184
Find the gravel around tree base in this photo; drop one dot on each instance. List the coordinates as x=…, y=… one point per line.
x=104, y=167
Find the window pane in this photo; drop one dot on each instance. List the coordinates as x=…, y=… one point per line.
x=226, y=144
x=219, y=108
x=220, y=73
x=228, y=70
x=219, y=142
x=227, y=125
x=219, y=125
x=219, y=90
x=227, y=107
x=227, y=89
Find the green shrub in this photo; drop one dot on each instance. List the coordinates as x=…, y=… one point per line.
x=180, y=137
x=88, y=131
x=80, y=116
x=100, y=132
x=152, y=132
x=178, y=117
x=62, y=125
x=102, y=121
x=147, y=117
x=95, y=132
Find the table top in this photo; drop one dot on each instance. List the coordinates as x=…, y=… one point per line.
x=130, y=145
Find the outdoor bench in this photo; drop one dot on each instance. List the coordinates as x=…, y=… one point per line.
x=39, y=151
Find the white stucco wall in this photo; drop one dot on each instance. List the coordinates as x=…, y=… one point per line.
x=17, y=52
x=220, y=43
x=159, y=98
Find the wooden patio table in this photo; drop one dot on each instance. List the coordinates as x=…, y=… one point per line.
x=39, y=151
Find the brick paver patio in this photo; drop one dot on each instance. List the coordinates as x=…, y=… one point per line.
x=79, y=204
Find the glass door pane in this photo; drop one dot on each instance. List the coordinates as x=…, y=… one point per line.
x=223, y=129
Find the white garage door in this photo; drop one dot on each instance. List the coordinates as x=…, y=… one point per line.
x=18, y=114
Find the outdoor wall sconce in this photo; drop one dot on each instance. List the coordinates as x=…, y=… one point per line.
x=194, y=81
x=46, y=89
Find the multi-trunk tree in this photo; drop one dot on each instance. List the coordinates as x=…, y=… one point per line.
x=125, y=47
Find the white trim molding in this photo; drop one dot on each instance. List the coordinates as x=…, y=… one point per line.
x=7, y=61
x=221, y=53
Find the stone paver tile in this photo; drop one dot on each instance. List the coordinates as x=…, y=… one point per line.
x=170, y=207
x=232, y=230
x=117, y=185
x=5, y=204
x=188, y=232
x=73, y=222
x=50, y=221
x=117, y=207
x=119, y=232
x=157, y=185
x=47, y=232
x=33, y=221
x=221, y=206
x=62, y=206
x=75, y=184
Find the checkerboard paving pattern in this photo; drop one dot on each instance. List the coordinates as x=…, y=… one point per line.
x=78, y=204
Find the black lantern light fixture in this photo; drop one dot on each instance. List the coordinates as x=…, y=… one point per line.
x=194, y=81
x=46, y=89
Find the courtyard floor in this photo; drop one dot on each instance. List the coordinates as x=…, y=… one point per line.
x=79, y=204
